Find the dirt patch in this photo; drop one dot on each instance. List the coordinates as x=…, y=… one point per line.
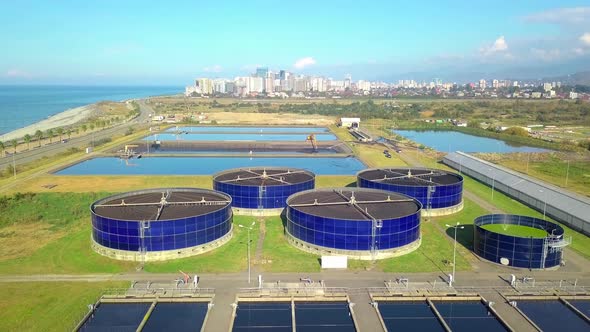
x=22, y=240
x=426, y=114
x=271, y=118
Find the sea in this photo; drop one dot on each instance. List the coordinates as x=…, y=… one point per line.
x=24, y=105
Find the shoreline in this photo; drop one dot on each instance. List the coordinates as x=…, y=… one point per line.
x=66, y=118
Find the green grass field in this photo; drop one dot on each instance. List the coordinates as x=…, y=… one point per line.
x=554, y=170
x=515, y=230
x=48, y=306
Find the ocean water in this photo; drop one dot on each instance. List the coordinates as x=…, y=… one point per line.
x=21, y=106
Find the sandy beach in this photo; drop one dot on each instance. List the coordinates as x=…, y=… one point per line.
x=65, y=118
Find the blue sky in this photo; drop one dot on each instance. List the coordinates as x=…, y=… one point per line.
x=138, y=42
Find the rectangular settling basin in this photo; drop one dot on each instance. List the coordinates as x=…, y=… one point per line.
x=177, y=316
x=208, y=165
x=467, y=316
x=260, y=316
x=237, y=137
x=552, y=315
x=116, y=317
x=248, y=129
x=409, y=316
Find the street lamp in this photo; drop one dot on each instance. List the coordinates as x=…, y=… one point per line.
x=249, y=229
x=545, y=202
x=493, y=181
x=458, y=225
x=567, y=173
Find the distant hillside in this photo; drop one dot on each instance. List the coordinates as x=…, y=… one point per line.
x=580, y=78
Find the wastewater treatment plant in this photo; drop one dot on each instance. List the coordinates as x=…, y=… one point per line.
x=304, y=228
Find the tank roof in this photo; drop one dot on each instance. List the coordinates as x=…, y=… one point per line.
x=160, y=204
x=410, y=176
x=354, y=203
x=264, y=176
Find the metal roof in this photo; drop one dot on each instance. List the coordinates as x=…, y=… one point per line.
x=354, y=203
x=160, y=204
x=558, y=198
x=413, y=176
x=264, y=176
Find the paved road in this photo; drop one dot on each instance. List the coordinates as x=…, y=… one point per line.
x=79, y=142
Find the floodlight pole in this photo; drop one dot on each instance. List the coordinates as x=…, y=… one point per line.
x=458, y=225
x=567, y=173
x=493, y=182
x=248, y=230
x=545, y=202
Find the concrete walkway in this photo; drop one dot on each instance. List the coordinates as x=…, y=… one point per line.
x=365, y=315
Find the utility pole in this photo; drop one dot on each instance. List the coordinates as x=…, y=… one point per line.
x=248, y=229
x=458, y=225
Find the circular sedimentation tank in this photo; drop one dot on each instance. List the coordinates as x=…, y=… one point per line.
x=262, y=190
x=518, y=241
x=439, y=191
x=161, y=224
x=357, y=222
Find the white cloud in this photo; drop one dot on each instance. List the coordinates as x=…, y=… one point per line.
x=17, y=73
x=547, y=54
x=304, y=62
x=499, y=45
x=579, y=51
x=213, y=69
x=571, y=16
x=585, y=38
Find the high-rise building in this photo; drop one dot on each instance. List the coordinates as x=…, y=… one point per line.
x=282, y=75
x=301, y=85
x=255, y=84
x=547, y=87
x=482, y=84
x=219, y=86
x=318, y=84
x=230, y=87
x=204, y=85
x=495, y=84
x=363, y=85
x=269, y=85
x=262, y=72
x=348, y=82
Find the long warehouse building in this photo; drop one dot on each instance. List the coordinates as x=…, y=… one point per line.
x=564, y=206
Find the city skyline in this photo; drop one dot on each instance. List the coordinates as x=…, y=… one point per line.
x=130, y=43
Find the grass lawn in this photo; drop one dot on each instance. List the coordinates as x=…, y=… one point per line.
x=111, y=183
x=36, y=236
x=465, y=217
x=280, y=256
x=48, y=306
x=554, y=171
x=515, y=230
x=331, y=181
x=432, y=256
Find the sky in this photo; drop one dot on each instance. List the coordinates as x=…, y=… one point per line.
x=173, y=42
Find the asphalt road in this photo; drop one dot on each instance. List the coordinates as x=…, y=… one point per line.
x=78, y=142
